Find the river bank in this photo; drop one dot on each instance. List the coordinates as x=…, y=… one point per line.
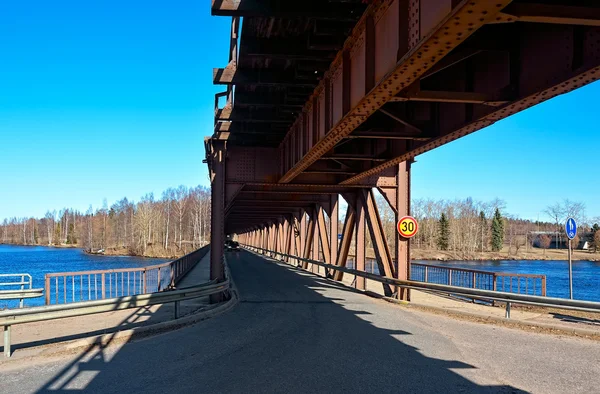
x=504, y=254
x=151, y=252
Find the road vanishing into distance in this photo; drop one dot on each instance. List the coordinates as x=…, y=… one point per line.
x=294, y=332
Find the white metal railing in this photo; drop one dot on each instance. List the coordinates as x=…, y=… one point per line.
x=78, y=286
x=20, y=286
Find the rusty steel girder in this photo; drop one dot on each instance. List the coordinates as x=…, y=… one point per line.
x=336, y=98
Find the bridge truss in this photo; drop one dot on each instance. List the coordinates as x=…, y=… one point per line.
x=329, y=98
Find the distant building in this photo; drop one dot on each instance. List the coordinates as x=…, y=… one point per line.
x=559, y=240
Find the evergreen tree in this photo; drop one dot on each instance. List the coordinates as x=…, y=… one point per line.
x=497, y=231
x=71, y=239
x=444, y=235
x=483, y=225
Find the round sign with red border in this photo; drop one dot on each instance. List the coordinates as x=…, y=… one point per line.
x=407, y=227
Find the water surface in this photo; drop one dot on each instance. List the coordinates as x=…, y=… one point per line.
x=39, y=260
x=586, y=274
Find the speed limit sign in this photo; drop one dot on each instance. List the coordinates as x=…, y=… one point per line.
x=407, y=227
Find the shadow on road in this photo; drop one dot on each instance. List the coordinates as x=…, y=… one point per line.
x=290, y=332
x=575, y=319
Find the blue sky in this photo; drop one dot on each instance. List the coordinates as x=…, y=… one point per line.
x=108, y=99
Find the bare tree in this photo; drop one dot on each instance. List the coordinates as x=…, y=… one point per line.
x=180, y=204
x=575, y=242
x=545, y=241
x=50, y=226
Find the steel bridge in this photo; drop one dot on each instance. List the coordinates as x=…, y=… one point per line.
x=330, y=98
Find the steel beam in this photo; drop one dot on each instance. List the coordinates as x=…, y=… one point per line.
x=359, y=254
x=346, y=241
x=380, y=246
x=547, y=13
x=288, y=9
x=389, y=136
x=403, y=245
x=315, y=244
x=438, y=40
x=333, y=229
x=323, y=235
x=310, y=233
x=232, y=75
x=217, y=218
x=297, y=237
x=289, y=234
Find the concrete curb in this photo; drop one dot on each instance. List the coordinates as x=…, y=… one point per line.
x=58, y=348
x=521, y=324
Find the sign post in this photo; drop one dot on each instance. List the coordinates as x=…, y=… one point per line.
x=571, y=230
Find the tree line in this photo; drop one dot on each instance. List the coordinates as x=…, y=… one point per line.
x=172, y=225
x=467, y=226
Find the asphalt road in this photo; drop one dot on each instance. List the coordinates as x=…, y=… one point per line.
x=293, y=332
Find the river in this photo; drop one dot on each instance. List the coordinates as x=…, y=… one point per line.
x=38, y=261
x=586, y=274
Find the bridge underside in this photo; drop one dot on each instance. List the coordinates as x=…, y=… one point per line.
x=335, y=98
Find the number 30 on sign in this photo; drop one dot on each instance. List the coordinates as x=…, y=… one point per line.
x=408, y=227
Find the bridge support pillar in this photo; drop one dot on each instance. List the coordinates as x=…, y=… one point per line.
x=402, y=245
x=217, y=219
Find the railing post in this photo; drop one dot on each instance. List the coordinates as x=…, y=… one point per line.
x=176, y=310
x=450, y=277
x=426, y=274
x=544, y=286
x=145, y=277
x=507, y=315
x=172, y=266
x=474, y=280
x=158, y=279
x=22, y=288
x=495, y=279
x=102, y=279
x=7, y=341
x=47, y=289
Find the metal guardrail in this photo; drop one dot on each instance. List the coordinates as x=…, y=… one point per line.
x=11, y=317
x=508, y=298
x=465, y=277
x=24, y=289
x=69, y=287
x=486, y=280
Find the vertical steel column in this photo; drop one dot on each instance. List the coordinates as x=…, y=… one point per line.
x=323, y=236
x=302, y=235
x=288, y=238
x=402, y=244
x=280, y=238
x=275, y=239
x=217, y=218
x=296, y=233
x=360, y=241
x=315, y=239
x=333, y=229
x=310, y=232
